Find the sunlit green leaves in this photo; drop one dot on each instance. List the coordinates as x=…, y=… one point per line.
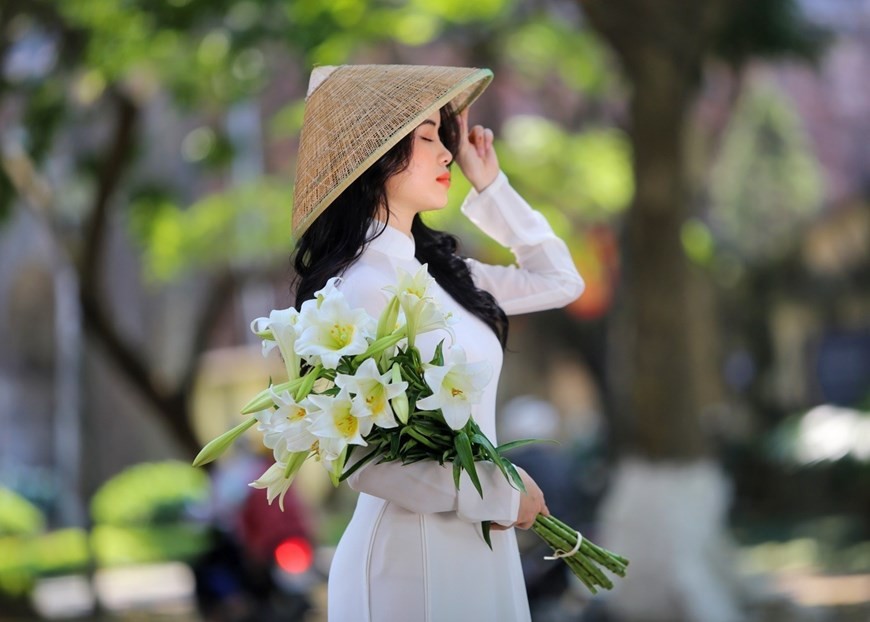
x=697, y=241
x=17, y=515
x=586, y=174
x=767, y=181
x=249, y=223
x=288, y=120
x=540, y=48
x=462, y=10
x=188, y=47
x=149, y=493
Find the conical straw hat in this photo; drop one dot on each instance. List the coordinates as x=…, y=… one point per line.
x=354, y=114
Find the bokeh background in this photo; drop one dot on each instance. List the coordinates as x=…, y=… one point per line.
x=708, y=164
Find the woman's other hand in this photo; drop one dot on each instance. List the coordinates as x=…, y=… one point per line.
x=531, y=504
x=476, y=156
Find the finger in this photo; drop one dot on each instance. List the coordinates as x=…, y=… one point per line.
x=488, y=138
x=472, y=137
x=479, y=139
x=463, y=123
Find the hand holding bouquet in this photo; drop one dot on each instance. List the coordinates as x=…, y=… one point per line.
x=355, y=382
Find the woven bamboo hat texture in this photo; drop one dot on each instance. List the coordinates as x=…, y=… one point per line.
x=354, y=114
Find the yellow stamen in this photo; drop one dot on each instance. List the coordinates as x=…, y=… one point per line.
x=376, y=401
x=347, y=424
x=296, y=414
x=341, y=334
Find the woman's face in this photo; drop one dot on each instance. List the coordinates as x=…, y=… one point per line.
x=423, y=185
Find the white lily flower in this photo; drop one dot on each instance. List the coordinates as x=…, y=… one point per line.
x=456, y=386
x=430, y=316
x=274, y=482
x=329, y=329
x=414, y=285
x=328, y=291
x=420, y=310
x=287, y=427
x=278, y=477
x=336, y=425
x=372, y=391
x=279, y=329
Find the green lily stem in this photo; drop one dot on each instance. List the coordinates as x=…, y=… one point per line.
x=578, y=570
x=615, y=563
x=379, y=345
x=603, y=557
x=567, y=543
x=560, y=536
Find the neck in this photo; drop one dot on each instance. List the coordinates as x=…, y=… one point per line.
x=397, y=220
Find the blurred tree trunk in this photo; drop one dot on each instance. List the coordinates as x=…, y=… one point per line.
x=662, y=46
x=666, y=504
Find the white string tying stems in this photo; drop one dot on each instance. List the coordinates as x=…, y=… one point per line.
x=558, y=553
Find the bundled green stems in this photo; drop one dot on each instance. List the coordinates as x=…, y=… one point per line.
x=586, y=561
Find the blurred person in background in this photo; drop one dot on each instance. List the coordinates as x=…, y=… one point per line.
x=241, y=578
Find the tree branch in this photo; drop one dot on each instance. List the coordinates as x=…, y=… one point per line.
x=109, y=178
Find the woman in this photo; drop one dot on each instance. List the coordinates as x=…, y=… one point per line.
x=376, y=148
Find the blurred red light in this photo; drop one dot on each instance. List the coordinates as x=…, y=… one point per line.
x=294, y=555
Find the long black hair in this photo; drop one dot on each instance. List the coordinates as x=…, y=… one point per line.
x=337, y=237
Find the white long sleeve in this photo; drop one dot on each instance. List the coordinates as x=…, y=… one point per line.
x=545, y=277
x=427, y=487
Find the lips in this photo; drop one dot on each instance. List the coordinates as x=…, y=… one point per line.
x=443, y=179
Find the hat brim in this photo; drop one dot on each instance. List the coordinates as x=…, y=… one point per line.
x=463, y=93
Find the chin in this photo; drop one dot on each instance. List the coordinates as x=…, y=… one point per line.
x=433, y=207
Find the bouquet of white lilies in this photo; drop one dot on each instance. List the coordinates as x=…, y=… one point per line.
x=354, y=381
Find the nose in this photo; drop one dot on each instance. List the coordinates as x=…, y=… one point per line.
x=446, y=157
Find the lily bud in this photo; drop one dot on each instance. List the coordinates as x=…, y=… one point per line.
x=264, y=398
x=217, y=446
x=400, y=402
x=337, y=468
x=388, y=318
x=294, y=463
x=308, y=381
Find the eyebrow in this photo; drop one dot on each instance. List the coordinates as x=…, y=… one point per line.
x=430, y=122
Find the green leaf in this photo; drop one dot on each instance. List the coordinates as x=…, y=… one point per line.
x=356, y=466
x=523, y=442
x=420, y=437
x=466, y=458
x=457, y=472
x=486, y=526
x=492, y=452
x=515, y=476
x=438, y=358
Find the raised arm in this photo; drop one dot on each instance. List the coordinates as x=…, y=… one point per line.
x=545, y=276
